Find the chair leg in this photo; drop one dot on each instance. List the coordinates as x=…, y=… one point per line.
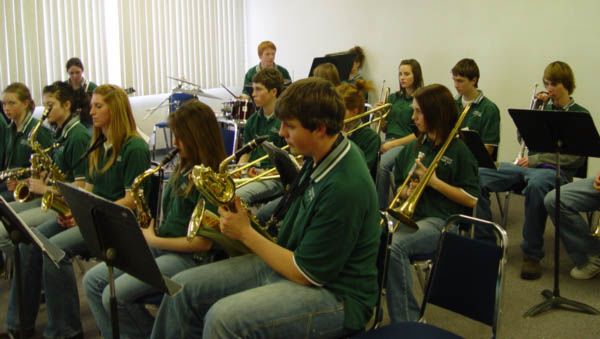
x=422, y=270
x=77, y=261
x=505, y=215
x=153, y=143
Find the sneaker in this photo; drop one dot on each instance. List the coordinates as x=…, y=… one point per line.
x=589, y=270
x=531, y=269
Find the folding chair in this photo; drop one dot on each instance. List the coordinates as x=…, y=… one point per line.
x=466, y=278
x=231, y=133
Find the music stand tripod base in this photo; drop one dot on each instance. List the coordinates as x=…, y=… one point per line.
x=553, y=301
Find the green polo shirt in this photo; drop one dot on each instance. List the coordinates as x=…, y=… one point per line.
x=259, y=125
x=369, y=143
x=457, y=167
x=3, y=134
x=400, y=117
x=74, y=140
x=333, y=230
x=483, y=117
x=133, y=159
x=178, y=207
x=253, y=70
x=18, y=150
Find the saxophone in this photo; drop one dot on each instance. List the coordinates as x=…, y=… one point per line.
x=142, y=211
x=39, y=159
x=219, y=189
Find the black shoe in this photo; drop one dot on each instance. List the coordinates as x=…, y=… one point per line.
x=531, y=269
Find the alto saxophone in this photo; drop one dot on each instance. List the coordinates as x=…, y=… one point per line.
x=219, y=189
x=38, y=159
x=142, y=210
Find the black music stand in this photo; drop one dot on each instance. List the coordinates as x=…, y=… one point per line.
x=558, y=132
x=473, y=140
x=113, y=235
x=20, y=233
x=286, y=164
x=342, y=61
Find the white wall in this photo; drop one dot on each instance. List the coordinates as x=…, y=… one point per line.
x=511, y=40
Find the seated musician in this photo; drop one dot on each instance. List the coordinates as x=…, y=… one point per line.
x=327, y=71
x=193, y=125
x=112, y=167
x=73, y=139
x=537, y=172
x=319, y=279
x=399, y=131
x=365, y=138
x=453, y=189
x=83, y=89
x=483, y=117
x=266, y=54
x=582, y=246
x=19, y=106
x=266, y=86
x=357, y=65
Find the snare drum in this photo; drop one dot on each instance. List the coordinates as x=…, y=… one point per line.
x=179, y=98
x=238, y=110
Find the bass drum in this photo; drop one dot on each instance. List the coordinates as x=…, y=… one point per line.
x=238, y=110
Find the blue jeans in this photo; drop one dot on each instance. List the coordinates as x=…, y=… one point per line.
x=576, y=197
x=134, y=319
x=385, y=174
x=62, y=299
x=244, y=297
x=31, y=268
x=401, y=302
x=259, y=191
x=31, y=214
x=266, y=211
x=538, y=182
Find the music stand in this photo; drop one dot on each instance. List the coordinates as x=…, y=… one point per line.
x=342, y=61
x=473, y=141
x=558, y=132
x=20, y=233
x=113, y=235
x=286, y=164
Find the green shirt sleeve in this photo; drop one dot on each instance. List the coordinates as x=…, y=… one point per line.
x=78, y=146
x=136, y=158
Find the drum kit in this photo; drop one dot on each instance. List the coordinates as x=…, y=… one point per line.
x=184, y=91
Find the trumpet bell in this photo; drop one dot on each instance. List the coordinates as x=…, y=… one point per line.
x=404, y=214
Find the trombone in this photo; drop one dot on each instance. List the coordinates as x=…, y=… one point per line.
x=382, y=112
x=404, y=213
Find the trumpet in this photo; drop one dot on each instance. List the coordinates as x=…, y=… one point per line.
x=404, y=213
x=219, y=189
x=537, y=103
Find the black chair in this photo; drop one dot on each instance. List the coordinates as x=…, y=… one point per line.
x=466, y=278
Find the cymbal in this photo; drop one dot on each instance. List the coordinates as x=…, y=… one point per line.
x=183, y=80
x=196, y=92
